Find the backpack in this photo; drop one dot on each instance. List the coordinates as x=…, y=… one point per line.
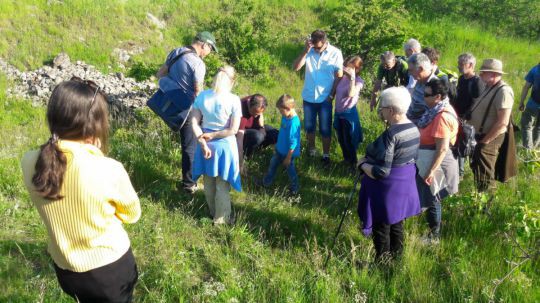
x=403, y=77
x=174, y=106
x=452, y=82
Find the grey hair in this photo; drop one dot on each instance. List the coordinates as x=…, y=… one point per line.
x=412, y=44
x=388, y=56
x=420, y=60
x=396, y=97
x=467, y=58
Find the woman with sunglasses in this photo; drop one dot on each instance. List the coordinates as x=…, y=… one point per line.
x=83, y=197
x=216, y=119
x=438, y=175
x=388, y=193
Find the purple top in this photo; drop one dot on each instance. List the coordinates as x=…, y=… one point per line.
x=388, y=200
x=343, y=101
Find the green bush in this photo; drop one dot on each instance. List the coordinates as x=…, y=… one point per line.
x=142, y=71
x=243, y=29
x=369, y=28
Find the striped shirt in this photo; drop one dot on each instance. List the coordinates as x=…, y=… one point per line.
x=396, y=146
x=85, y=226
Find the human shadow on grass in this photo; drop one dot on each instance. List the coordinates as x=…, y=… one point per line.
x=315, y=193
x=23, y=261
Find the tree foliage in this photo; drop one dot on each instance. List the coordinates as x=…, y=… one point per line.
x=369, y=28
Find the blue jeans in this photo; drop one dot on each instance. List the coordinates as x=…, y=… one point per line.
x=530, y=128
x=324, y=111
x=276, y=161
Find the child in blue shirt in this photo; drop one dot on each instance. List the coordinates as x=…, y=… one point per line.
x=288, y=144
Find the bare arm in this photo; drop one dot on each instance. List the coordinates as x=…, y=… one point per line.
x=163, y=71
x=240, y=144
x=230, y=131
x=503, y=118
x=376, y=89
x=301, y=60
x=338, y=76
x=524, y=93
x=441, y=147
x=199, y=87
x=196, y=120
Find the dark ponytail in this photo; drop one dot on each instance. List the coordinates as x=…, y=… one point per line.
x=77, y=111
x=50, y=169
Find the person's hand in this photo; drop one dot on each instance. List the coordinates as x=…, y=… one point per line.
x=329, y=98
x=360, y=162
x=350, y=71
x=308, y=44
x=429, y=178
x=207, y=152
x=207, y=136
x=286, y=162
x=521, y=107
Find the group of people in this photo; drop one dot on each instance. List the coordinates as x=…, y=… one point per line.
x=84, y=197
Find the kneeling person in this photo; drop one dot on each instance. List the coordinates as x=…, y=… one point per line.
x=253, y=133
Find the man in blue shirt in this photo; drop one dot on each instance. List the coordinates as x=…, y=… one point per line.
x=324, y=68
x=187, y=73
x=530, y=125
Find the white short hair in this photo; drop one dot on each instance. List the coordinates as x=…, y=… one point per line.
x=396, y=97
x=420, y=60
x=412, y=44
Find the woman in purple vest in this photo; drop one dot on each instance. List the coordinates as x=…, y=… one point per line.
x=388, y=193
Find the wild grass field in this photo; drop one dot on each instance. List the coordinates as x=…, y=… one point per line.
x=276, y=250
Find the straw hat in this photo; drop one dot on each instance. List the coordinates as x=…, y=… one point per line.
x=492, y=65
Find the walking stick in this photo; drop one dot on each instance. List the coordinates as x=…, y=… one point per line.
x=358, y=176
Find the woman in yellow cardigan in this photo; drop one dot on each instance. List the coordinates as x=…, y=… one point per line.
x=83, y=197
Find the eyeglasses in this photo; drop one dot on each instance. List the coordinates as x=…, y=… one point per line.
x=429, y=95
x=382, y=107
x=90, y=83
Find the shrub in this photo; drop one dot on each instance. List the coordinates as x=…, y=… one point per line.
x=369, y=28
x=243, y=33
x=143, y=71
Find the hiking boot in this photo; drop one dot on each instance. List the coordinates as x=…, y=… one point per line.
x=325, y=161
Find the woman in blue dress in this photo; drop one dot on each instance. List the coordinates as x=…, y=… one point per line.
x=216, y=118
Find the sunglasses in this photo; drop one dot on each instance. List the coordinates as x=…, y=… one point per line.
x=429, y=95
x=90, y=83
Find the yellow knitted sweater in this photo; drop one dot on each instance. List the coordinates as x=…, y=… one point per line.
x=85, y=227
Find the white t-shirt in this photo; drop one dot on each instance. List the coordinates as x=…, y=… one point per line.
x=217, y=109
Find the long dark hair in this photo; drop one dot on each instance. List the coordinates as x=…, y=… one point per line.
x=77, y=110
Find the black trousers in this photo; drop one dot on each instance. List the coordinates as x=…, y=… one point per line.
x=110, y=283
x=259, y=138
x=188, y=141
x=388, y=239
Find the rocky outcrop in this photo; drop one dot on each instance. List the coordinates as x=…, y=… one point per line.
x=124, y=93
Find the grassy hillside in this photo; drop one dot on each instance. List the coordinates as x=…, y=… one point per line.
x=276, y=250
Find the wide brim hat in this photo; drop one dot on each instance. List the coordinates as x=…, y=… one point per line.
x=492, y=65
x=207, y=37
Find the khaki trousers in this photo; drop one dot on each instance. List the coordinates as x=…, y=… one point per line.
x=216, y=191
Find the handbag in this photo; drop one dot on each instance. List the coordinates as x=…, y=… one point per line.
x=506, y=164
x=174, y=106
x=466, y=141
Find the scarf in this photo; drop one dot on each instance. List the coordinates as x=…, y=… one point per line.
x=431, y=113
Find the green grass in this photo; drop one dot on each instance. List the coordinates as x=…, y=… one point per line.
x=276, y=250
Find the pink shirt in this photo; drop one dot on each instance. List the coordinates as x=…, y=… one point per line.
x=343, y=101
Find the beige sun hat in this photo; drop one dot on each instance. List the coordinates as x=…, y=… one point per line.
x=492, y=65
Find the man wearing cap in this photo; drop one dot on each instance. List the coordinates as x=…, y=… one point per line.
x=185, y=69
x=394, y=72
x=490, y=117
x=324, y=69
